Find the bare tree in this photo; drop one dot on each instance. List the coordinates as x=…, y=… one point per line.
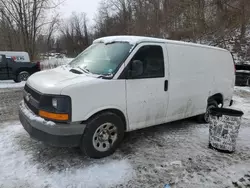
x=53, y=26
x=216, y=21
x=75, y=34
x=28, y=18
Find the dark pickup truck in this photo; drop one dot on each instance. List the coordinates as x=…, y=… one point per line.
x=11, y=70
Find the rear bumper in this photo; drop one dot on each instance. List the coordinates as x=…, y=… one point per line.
x=60, y=135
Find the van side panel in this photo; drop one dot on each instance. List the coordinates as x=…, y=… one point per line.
x=196, y=73
x=189, y=83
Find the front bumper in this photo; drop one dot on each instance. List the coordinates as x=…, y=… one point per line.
x=61, y=135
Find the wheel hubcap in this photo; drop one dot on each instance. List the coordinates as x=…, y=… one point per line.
x=104, y=137
x=24, y=76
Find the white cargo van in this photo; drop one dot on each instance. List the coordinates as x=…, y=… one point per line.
x=124, y=83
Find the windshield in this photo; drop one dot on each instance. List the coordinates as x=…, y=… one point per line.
x=102, y=59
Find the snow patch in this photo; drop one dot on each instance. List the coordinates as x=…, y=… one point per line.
x=34, y=117
x=176, y=163
x=241, y=103
x=238, y=171
x=104, y=175
x=10, y=84
x=243, y=71
x=20, y=169
x=237, y=88
x=133, y=40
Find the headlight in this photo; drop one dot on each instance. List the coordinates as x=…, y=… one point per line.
x=61, y=103
x=54, y=103
x=55, y=107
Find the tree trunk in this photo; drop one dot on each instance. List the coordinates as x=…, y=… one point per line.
x=242, y=20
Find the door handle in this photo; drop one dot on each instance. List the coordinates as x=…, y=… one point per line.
x=166, y=85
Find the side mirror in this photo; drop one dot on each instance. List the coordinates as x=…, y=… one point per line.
x=136, y=69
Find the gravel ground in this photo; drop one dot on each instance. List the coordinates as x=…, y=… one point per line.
x=9, y=99
x=175, y=153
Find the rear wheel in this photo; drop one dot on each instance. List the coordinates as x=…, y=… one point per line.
x=15, y=80
x=204, y=118
x=102, y=135
x=22, y=76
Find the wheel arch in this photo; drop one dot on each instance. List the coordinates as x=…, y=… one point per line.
x=18, y=71
x=218, y=97
x=112, y=110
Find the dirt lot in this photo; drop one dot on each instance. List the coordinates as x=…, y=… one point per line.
x=9, y=100
x=175, y=153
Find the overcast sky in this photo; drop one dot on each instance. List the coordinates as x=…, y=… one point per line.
x=87, y=6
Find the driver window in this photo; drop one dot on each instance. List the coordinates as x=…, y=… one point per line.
x=9, y=60
x=153, y=61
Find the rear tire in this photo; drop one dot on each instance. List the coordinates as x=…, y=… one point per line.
x=204, y=118
x=15, y=80
x=22, y=76
x=102, y=135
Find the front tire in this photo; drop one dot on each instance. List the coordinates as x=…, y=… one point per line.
x=204, y=118
x=102, y=135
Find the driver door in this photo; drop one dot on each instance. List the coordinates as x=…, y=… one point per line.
x=147, y=95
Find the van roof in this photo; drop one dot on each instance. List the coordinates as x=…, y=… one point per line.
x=133, y=40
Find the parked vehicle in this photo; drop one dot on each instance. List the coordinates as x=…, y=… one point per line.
x=11, y=70
x=242, y=75
x=121, y=84
x=19, y=57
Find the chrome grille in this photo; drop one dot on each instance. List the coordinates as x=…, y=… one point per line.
x=31, y=98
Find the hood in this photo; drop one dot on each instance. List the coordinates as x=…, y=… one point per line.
x=54, y=80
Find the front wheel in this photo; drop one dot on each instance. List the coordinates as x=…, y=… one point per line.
x=204, y=118
x=102, y=135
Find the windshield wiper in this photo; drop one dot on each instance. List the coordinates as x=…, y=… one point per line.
x=106, y=76
x=76, y=71
x=84, y=69
x=80, y=70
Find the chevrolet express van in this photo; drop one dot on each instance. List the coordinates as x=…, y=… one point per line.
x=121, y=84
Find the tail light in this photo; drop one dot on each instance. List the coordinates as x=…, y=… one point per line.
x=38, y=65
x=14, y=58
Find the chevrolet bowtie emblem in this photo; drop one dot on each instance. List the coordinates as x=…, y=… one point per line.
x=27, y=97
